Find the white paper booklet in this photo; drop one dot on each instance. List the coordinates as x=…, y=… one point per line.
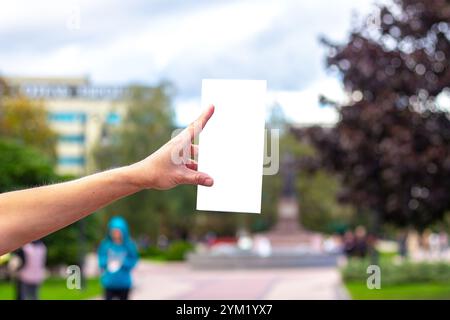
x=232, y=145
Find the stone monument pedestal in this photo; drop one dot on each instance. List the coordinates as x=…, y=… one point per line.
x=288, y=232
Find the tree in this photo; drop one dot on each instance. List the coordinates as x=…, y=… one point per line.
x=4, y=90
x=22, y=166
x=26, y=121
x=391, y=146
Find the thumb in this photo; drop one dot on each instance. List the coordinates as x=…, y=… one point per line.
x=197, y=178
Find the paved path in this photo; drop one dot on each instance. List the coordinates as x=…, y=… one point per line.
x=178, y=281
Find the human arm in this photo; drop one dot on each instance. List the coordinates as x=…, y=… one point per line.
x=31, y=214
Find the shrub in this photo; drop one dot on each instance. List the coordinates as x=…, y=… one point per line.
x=407, y=272
x=177, y=250
x=151, y=252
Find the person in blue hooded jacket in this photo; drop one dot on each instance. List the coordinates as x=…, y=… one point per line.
x=117, y=256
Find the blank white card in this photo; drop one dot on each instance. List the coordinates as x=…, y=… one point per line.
x=232, y=145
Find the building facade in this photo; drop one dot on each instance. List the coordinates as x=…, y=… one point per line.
x=77, y=111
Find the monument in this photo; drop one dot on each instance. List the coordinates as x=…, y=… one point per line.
x=291, y=245
x=288, y=232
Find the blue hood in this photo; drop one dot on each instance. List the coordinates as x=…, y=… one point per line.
x=118, y=222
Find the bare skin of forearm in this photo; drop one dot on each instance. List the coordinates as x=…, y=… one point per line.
x=57, y=206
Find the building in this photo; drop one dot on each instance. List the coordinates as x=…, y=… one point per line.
x=76, y=110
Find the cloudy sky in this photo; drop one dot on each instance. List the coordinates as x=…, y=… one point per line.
x=118, y=42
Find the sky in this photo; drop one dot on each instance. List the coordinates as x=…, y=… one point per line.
x=147, y=41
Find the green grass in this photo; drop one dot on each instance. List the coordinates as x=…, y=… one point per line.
x=55, y=289
x=387, y=256
x=411, y=291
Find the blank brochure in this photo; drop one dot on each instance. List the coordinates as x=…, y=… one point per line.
x=231, y=146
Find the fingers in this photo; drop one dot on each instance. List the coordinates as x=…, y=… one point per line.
x=197, y=178
x=189, y=133
x=206, y=115
x=196, y=127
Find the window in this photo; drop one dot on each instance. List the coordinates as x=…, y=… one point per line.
x=67, y=116
x=113, y=118
x=72, y=138
x=71, y=161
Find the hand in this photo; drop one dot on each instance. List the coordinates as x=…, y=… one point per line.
x=171, y=165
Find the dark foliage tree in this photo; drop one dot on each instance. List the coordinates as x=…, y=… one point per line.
x=391, y=145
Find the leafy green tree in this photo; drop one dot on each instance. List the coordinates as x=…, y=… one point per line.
x=4, y=90
x=26, y=121
x=22, y=166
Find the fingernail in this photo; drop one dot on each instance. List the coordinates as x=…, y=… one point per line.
x=208, y=182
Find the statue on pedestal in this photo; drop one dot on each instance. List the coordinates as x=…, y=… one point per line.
x=288, y=208
x=288, y=173
x=288, y=231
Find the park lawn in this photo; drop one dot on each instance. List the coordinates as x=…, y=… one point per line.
x=412, y=291
x=55, y=289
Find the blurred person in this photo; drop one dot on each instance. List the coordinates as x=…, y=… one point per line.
x=413, y=244
x=144, y=242
x=434, y=243
x=402, y=241
x=371, y=247
x=210, y=238
x=443, y=242
x=361, y=242
x=425, y=241
x=333, y=244
x=28, y=267
x=117, y=256
x=245, y=241
x=162, y=242
x=31, y=214
x=262, y=246
x=349, y=243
